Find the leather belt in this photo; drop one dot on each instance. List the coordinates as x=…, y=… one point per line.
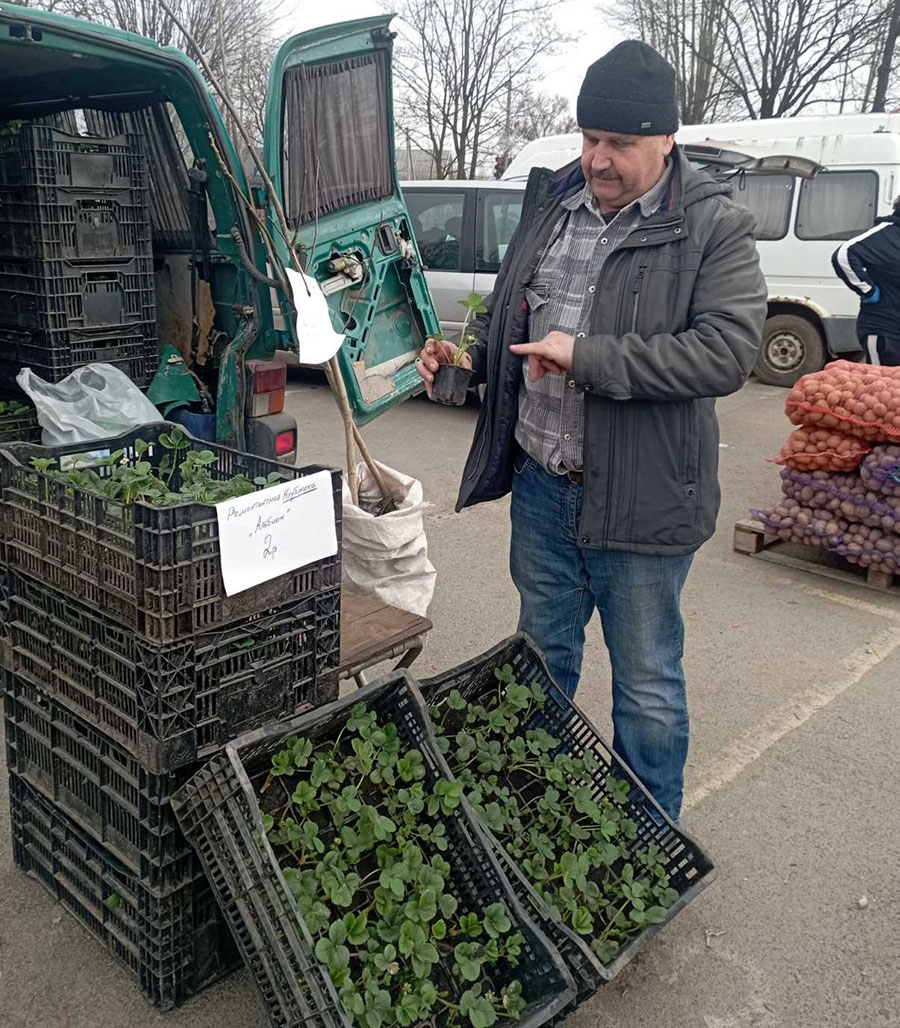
x=575, y=476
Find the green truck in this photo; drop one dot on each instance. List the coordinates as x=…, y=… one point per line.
x=328, y=149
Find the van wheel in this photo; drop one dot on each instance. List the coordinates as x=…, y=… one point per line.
x=791, y=348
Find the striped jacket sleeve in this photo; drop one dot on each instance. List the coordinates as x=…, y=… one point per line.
x=855, y=260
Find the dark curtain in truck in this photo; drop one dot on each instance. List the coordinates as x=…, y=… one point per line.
x=336, y=136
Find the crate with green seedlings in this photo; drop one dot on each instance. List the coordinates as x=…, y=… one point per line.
x=588, y=850
x=18, y=422
x=127, y=525
x=375, y=900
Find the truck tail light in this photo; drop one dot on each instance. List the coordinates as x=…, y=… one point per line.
x=285, y=442
x=267, y=384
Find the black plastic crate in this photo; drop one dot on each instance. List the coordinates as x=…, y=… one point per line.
x=170, y=704
x=689, y=868
x=220, y=815
x=54, y=355
x=174, y=944
x=99, y=785
x=62, y=295
x=19, y=428
x=47, y=156
x=68, y=223
x=154, y=570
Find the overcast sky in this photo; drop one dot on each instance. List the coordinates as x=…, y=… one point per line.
x=561, y=74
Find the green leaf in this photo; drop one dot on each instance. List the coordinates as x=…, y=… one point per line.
x=469, y=957
x=335, y=957
x=408, y=1009
x=411, y=936
x=655, y=915
x=606, y=950
x=386, y=960
x=477, y=1009
x=455, y=700
x=449, y=905
x=582, y=921
x=423, y=906
x=496, y=920
x=470, y=925
x=356, y=928
x=439, y=930
x=114, y=901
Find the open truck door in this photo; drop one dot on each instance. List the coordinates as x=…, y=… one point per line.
x=329, y=150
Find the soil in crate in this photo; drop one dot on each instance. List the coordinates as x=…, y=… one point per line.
x=174, y=942
x=588, y=850
x=155, y=570
x=367, y=841
x=173, y=704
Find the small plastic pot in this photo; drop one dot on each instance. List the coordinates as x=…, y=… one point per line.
x=451, y=384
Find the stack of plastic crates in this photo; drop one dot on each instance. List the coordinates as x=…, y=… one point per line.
x=127, y=667
x=76, y=264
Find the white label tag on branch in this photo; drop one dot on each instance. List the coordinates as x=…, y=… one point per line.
x=317, y=341
x=276, y=530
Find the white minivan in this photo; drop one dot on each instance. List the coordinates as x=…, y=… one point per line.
x=812, y=314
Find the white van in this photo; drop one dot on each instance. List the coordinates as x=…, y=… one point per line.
x=812, y=314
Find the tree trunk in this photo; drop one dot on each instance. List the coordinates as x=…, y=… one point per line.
x=887, y=56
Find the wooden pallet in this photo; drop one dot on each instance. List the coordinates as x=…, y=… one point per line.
x=753, y=538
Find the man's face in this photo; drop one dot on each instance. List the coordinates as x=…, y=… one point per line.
x=622, y=168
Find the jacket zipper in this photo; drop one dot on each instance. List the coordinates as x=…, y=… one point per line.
x=636, y=293
x=609, y=470
x=475, y=471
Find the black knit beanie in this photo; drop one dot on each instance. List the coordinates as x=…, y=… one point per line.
x=630, y=90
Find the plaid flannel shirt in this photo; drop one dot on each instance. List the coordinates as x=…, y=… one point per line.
x=560, y=295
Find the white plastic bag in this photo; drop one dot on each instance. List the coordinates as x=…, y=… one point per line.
x=387, y=555
x=94, y=402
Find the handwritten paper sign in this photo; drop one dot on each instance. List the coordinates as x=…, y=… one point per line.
x=276, y=530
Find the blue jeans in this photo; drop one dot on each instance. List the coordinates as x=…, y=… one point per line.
x=638, y=595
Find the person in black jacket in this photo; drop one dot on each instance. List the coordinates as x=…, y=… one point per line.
x=870, y=266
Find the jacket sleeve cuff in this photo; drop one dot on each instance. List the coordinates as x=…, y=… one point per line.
x=585, y=366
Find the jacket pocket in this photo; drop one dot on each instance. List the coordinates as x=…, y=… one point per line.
x=655, y=492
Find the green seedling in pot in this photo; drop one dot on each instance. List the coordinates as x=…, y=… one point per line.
x=474, y=304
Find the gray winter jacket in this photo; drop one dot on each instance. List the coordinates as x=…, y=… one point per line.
x=677, y=319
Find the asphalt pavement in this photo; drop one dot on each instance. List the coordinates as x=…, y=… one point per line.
x=791, y=780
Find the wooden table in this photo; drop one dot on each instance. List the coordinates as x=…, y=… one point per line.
x=372, y=631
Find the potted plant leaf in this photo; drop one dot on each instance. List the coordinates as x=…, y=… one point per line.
x=452, y=381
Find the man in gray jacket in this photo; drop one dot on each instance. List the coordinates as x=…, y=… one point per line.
x=629, y=298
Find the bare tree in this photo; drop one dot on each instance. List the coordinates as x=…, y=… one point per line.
x=234, y=35
x=888, y=44
x=767, y=58
x=457, y=65
x=535, y=115
x=781, y=54
x=690, y=34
